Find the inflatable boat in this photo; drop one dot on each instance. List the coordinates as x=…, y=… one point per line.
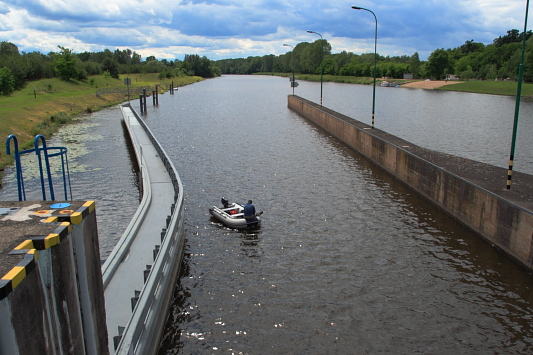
x=231, y=214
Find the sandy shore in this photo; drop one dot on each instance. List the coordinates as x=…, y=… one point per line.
x=428, y=84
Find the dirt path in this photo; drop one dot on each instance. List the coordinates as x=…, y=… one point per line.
x=428, y=84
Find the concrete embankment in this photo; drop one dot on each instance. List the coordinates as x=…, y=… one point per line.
x=472, y=192
x=51, y=291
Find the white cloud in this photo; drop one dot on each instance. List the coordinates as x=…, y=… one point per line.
x=236, y=28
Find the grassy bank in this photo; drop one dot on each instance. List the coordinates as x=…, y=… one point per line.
x=474, y=86
x=44, y=105
x=338, y=78
x=490, y=87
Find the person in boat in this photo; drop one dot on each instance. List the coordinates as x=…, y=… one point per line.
x=249, y=213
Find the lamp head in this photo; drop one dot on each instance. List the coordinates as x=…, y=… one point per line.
x=357, y=8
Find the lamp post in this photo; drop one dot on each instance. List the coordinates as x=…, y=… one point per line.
x=375, y=59
x=517, y=104
x=292, y=66
x=321, y=64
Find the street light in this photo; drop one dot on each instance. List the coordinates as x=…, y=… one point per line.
x=321, y=66
x=517, y=104
x=375, y=59
x=292, y=66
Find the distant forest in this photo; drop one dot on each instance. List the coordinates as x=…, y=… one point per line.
x=472, y=60
x=17, y=68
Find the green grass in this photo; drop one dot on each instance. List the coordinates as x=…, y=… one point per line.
x=41, y=107
x=490, y=87
x=362, y=80
x=474, y=86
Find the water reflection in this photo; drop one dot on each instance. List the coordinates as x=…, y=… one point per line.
x=348, y=260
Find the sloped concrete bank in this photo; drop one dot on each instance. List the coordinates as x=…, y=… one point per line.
x=471, y=192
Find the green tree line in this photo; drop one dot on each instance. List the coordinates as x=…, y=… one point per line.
x=472, y=60
x=18, y=68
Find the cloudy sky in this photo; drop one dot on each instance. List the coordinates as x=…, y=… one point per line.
x=222, y=29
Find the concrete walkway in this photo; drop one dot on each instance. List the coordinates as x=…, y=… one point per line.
x=124, y=271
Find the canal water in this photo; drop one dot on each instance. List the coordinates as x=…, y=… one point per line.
x=347, y=260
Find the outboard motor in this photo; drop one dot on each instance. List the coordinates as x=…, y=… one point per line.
x=225, y=202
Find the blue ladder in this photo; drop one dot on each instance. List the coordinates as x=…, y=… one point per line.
x=46, y=152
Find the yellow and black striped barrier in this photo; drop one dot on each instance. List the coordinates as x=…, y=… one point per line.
x=65, y=218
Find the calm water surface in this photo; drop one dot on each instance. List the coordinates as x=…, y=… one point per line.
x=347, y=260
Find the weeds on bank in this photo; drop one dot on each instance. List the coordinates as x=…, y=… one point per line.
x=42, y=106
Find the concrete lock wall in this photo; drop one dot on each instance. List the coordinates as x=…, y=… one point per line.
x=506, y=225
x=51, y=301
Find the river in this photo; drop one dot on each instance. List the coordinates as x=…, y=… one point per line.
x=348, y=260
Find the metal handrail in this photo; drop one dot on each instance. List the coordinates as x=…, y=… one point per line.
x=20, y=179
x=62, y=152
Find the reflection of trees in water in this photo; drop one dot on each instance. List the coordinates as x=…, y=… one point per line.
x=250, y=244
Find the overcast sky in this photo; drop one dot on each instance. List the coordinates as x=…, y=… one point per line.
x=222, y=29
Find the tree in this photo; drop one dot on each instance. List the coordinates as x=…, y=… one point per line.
x=65, y=63
x=414, y=64
x=330, y=66
x=8, y=49
x=202, y=66
x=318, y=51
x=471, y=46
x=438, y=62
x=512, y=36
x=7, y=81
x=111, y=66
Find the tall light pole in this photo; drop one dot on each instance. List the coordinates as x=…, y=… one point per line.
x=292, y=66
x=517, y=104
x=375, y=60
x=321, y=65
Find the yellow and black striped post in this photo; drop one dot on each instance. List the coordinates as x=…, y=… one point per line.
x=510, y=173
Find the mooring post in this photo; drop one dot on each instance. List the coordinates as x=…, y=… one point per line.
x=144, y=100
x=141, y=103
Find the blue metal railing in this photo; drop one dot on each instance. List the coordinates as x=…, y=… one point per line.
x=41, y=152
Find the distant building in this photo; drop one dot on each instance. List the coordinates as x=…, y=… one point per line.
x=451, y=77
x=408, y=76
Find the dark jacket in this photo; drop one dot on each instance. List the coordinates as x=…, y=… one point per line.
x=249, y=210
